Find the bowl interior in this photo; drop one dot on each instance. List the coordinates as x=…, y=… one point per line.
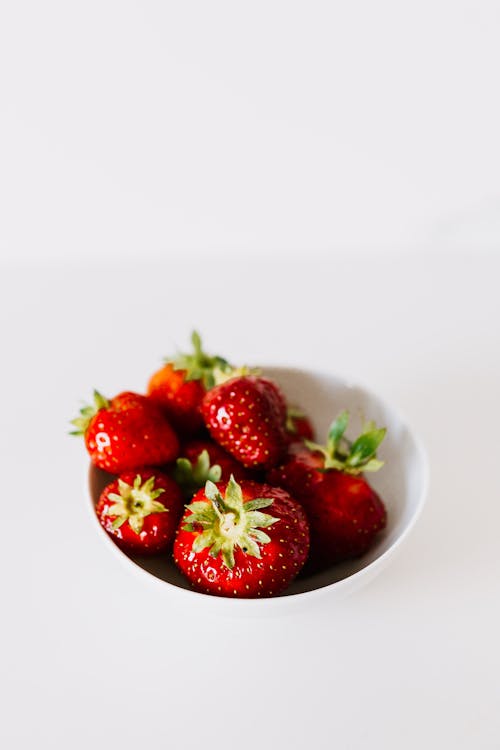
x=400, y=483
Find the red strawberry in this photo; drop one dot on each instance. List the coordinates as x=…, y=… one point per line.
x=275, y=393
x=344, y=512
x=204, y=460
x=179, y=386
x=125, y=433
x=222, y=549
x=298, y=424
x=246, y=415
x=134, y=518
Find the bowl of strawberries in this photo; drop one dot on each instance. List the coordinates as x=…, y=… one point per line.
x=248, y=484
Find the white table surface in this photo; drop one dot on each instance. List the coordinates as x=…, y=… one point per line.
x=93, y=657
x=133, y=127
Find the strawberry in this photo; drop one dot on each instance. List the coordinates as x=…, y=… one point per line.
x=132, y=515
x=221, y=547
x=298, y=424
x=204, y=460
x=246, y=416
x=179, y=386
x=344, y=512
x=126, y=433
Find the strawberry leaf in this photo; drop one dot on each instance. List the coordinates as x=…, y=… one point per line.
x=199, y=365
x=234, y=497
x=365, y=447
x=250, y=546
x=351, y=458
x=87, y=412
x=258, y=503
x=373, y=465
x=203, y=540
x=134, y=502
x=191, y=477
x=255, y=518
x=338, y=427
x=260, y=536
x=228, y=522
x=212, y=491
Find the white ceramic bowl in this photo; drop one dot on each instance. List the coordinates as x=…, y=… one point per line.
x=402, y=484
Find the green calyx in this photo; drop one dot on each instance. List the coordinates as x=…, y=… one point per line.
x=211, y=370
x=228, y=522
x=134, y=502
x=199, y=365
x=191, y=477
x=87, y=412
x=221, y=376
x=351, y=457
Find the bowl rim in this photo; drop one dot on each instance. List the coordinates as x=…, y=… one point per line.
x=351, y=580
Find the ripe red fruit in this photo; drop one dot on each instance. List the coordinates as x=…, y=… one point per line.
x=179, y=386
x=140, y=512
x=204, y=460
x=298, y=425
x=222, y=549
x=246, y=416
x=344, y=512
x=128, y=432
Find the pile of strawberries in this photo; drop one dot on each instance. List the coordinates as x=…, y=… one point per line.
x=213, y=467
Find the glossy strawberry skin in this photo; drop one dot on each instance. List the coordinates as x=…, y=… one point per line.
x=179, y=398
x=282, y=558
x=132, y=432
x=344, y=512
x=277, y=395
x=159, y=529
x=128, y=400
x=246, y=416
x=217, y=455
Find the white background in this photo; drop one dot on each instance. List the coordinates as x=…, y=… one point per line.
x=141, y=128
x=307, y=184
